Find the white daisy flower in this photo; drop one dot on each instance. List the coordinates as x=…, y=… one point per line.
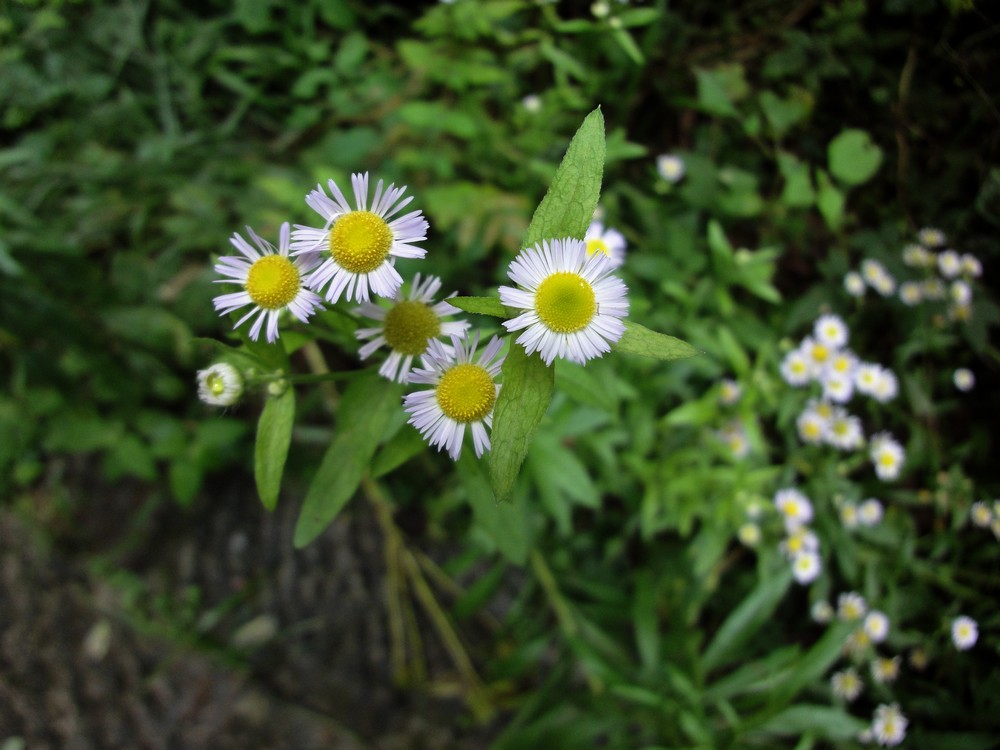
x=749, y=534
x=886, y=386
x=887, y=456
x=854, y=284
x=794, y=507
x=959, y=312
x=671, y=168
x=812, y=427
x=611, y=242
x=877, y=626
x=872, y=271
x=885, y=670
x=817, y=354
x=949, y=264
x=885, y=285
x=964, y=632
x=980, y=513
x=271, y=282
x=858, y=644
x=844, y=430
x=821, y=612
x=464, y=394
x=800, y=539
x=866, y=377
x=848, y=513
x=360, y=244
x=837, y=387
x=846, y=684
x=806, y=566
x=735, y=438
x=851, y=606
x=932, y=289
x=532, y=103
x=889, y=725
x=931, y=237
x=971, y=265
x=729, y=391
x=407, y=327
x=964, y=379
x=831, y=331
x=916, y=256
x=843, y=362
x=220, y=385
x=960, y=292
x=911, y=293
x=870, y=512
x=796, y=368
x=573, y=305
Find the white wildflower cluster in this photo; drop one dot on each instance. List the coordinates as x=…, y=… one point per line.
x=867, y=513
x=733, y=435
x=985, y=515
x=888, y=727
x=800, y=545
x=824, y=358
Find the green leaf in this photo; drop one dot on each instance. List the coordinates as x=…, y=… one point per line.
x=479, y=305
x=365, y=409
x=746, y=619
x=274, y=435
x=718, y=89
x=827, y=721
x=507, y=525
x=853, y=156
x=646, y=343
x=798, y=190
x=523, y=400
x=403, y=446
x=568, y=207
x=829, y=200
x=815, y=661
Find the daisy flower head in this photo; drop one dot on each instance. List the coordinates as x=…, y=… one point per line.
x=911, y=293
x=964, y=632
x=821, y=611
x=817, y=354
x=794, y=507
x=407, y=327
x=800, y=539
x=812, y=426
x=870, y=512
x=831, y=331
x=729, y=391
x=749, y=534
x=854, y=284
x=532, y=103
x=806, y=567
x=848, y=515
x=964, y=379
x=886, y=386
x=889, y=725
x=872, y=271
x=735, y=439
x=931, y=237
x=877, y=626
x=670, y=168
x=885, y=670
x=960, y=292
x=796, y=368
x=932, y=289
x=573, y=306
x=916, y=256
x=971, y=266
x=220, y=385
x=858, y=644
x=843, y=362
x=949, y=264
x=866, y=377
x=837, y=386
x=844, y=430
x=360, y=244
x=887, y=455
x=272, y=282
x=846, y=684
x=980, y=513
x=851, y=606
x=611, y=242
x=885, y=285
x=463, y=395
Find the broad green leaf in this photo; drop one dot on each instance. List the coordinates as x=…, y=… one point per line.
x=506, y=524
x=853, y=157
x=480, y=305
x=568, y=206
x=815, y=661
x=523, y=400
x=646, y=343
x=274, y=435
x=832, y=723
x=365, y=409
x=829, y=200
x=746, y=619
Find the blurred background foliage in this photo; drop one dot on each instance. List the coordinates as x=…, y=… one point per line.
x=137, y=136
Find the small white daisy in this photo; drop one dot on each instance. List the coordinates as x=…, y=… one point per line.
x=794, y=507
x=964, y=632
x=464, y=394
x=932, y=289
x=960, y=292
x=837, y=386
x=886, y=386
x=887, y=456
x=812, y=427
x=885, y=285
x=220, y=385
x=971, y=266
x=611, y=242
x=360, y=244
x=806, y=567
x=851, y=606
x=877, y=626
x=532, y=103
x=889, y=725
x=964, y=379
x=749, y=534
x=735, y=439
x=729, y=391
x=870, y=512
x=885, y=670
x=858, y=644
x=980, y=514
x=854, y=284
x=817, y=354
x=573, y=304
x=821, y=611
x=271, y=282
x=844, y=430
x=671, y=168
x=846, y=684
x=407, y=327
x=848, y=515
x=872, y=271
x=843, y=362
x=796, y=368
x=800, y=539
x=949, y=264
x=931, y=237
x=916, y=256
x=911, y=293
x=831, y=331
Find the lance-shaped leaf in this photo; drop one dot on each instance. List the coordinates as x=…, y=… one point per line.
x=365, y=409
x=523, y=400
x=646, y=343
x=274, y=435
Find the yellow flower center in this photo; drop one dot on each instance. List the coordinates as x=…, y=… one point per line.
x=820, y=353
x=964, y=631
x=798, y=367
x=887, y=459
x=215, y=384
x=839, y=428
x=824, y=410
x=812, y=430
x=597, y=245
x=273, y=282
x=565, y=302
x=466, y=393
x=841, y=364
x=360, y=241
x=409, y=326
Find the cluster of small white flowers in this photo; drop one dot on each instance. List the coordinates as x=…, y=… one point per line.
x=986, y=515
x=800, y=545
x=888, y=725
x=868, y=513
x=734, y=436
